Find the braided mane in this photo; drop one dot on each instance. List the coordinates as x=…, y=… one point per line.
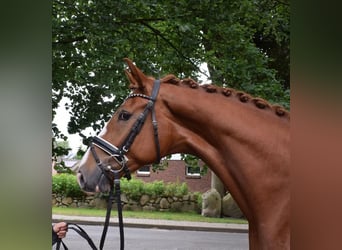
x=242, y=96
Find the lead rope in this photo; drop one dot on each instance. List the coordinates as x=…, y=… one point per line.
x=83, y=233
x=116, y=186
x=109, y=209
x=119, y=205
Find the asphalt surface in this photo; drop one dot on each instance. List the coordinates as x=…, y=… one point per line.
x=158, y=239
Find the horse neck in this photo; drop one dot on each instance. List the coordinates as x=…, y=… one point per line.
x=210, y=120
x=238, y=141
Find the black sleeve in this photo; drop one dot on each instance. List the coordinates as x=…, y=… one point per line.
x=54, y=237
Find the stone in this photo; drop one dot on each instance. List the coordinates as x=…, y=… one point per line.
x=126, y=207
x=149, y=208
x=164, y=204
x=90, y=197
x=92, y=203
x=67, y=200
x=211, y=203
x=186, y=197
x=74, y=205
x=83, y=205
x=145, y=202
x=100, y=203
x=188, y=206
x=135, y=207
x=124, y=198
x=176, y=206
x=144, y=199
x=230, y=208
x=133, y=203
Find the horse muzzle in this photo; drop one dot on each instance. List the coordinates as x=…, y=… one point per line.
x=95, y=182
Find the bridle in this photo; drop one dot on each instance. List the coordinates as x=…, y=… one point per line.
x=119, y=155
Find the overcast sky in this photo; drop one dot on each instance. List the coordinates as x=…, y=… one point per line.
x=62, y=118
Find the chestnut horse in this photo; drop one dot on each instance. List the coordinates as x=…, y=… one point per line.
x=244, y=140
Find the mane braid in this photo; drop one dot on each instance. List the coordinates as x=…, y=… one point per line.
x=242, y=96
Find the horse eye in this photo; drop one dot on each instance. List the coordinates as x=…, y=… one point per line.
x=124, y=116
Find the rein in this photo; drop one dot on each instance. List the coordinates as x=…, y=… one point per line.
x=83, y=233
x=119, y=155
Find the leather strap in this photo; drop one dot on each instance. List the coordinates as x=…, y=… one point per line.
x=83, y=233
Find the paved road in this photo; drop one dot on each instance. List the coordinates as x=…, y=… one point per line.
x=159, y=239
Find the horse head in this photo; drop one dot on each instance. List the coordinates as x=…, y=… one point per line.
x=113, y=150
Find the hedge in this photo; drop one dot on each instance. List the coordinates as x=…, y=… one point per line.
x=66, y=185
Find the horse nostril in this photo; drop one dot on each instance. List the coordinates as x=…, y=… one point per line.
x=80, y=180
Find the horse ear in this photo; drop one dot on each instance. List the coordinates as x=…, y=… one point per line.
x=133, y=84
x=135, y=76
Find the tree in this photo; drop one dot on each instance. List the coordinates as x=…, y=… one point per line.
x=61, y=149
x=244, y=43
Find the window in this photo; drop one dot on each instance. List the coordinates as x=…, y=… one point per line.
x=144, y=171
x=194, y=172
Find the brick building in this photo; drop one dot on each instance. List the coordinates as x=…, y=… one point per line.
x=177, y=171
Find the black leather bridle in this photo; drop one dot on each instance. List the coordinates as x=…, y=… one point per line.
x=119, y=155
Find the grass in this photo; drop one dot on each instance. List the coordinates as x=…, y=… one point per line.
x=188, y=216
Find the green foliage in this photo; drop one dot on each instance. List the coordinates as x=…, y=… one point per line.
x=199, y=199
x=67, y=185
x=155, y=188
x=194, y=162
x=244, y=43
x=175, y=189
x=162, y=165
x=80, y=153
x=135, y=188
x=61, y=168
x=182, y=189
x=60, y=148
x=60, y=144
